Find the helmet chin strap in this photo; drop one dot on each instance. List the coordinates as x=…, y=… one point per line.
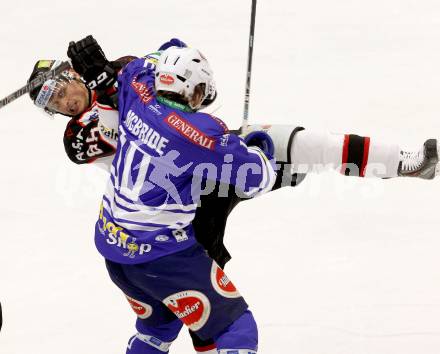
x=90, y=96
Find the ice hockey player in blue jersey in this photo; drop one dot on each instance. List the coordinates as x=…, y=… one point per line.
x=308, y=148
x=166, y=149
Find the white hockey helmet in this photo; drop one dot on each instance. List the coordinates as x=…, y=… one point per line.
x=181, y=70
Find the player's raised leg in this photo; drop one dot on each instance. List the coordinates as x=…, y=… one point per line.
x=353, y=155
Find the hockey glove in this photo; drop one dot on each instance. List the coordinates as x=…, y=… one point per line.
x=261, y=140
x=90, y=62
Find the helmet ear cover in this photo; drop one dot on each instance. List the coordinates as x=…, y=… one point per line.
x=209, y=100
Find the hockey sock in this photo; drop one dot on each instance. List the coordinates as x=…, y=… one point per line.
x=240, y=337
x=354, y=155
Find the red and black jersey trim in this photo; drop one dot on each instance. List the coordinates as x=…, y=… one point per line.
x=355, y=155
x=201, y=345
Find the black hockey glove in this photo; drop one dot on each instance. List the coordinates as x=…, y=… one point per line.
x=90, y=62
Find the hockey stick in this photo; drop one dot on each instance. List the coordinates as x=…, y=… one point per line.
x=39, y=80
x=249, y=68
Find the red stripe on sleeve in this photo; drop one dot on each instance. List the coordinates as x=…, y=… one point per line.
x=365, y=159
x=345, y=152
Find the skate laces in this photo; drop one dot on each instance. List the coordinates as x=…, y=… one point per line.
x=412, y=160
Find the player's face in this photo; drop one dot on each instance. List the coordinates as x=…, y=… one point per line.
x=70, y=98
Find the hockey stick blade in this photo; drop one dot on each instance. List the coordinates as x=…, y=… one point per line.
x=34, y=83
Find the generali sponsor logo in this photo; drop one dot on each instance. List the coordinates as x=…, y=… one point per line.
x=141, y=309
x=191, y=307
x=222, y=284
x=190, y=132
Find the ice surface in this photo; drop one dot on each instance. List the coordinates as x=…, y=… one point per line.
x=336, y=266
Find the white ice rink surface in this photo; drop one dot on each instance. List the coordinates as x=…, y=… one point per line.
x=336, y=266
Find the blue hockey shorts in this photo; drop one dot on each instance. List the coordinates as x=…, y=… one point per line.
x=187, y=284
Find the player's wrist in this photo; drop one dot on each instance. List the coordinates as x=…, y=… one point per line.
x=262, y=140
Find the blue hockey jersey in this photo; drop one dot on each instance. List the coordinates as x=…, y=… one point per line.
x=164, y=157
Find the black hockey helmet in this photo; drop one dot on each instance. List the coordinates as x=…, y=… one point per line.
x=42, y=94
x=40, y=67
